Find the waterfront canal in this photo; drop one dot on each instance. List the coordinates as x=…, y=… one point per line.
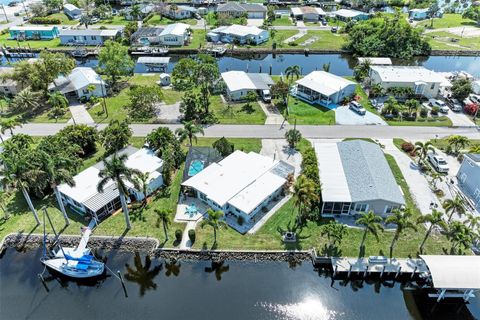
x=202, y=290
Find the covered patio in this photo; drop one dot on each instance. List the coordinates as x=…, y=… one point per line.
x=190, y=209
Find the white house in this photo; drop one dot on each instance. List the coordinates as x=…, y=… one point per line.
x=146, y=36
x=179, y=12
x=242, y=184
x=307, y=13
x=8, y=87
x=348, y=15
x=376, y=61
x=72, y=11
x=84, y=197
x=89, y=37
x=324, y=88
x=237, y=9
x=78, y=83
x=239, y=34
x=424, y=82
x=175, y=34
x=240, y=83
x=469, y=178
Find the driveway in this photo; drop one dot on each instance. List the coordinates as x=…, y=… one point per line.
x=460, y=119
x=343, y=115
x=168, y=113
x=255, y=22
x=278, y=149
x=273, y=115
x=80, y=115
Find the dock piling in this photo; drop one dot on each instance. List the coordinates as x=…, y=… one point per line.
x=413, y=272
x=365, y=272
x=399, y=270
x=383, y=270
x=123, y=283
x=349, y=271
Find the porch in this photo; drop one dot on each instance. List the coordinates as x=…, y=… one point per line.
x=190, y=209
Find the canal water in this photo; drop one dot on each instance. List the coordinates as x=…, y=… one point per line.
x=202, y=290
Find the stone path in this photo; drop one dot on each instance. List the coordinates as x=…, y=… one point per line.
x=272, y=113
x=186, y=243
x=80, y=115
x=301, y=33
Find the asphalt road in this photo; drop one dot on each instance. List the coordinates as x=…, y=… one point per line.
x=274, y=131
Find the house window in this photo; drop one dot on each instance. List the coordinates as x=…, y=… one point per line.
x=476, y=194
x=389, y=209
x=361, y=207
x=432, y=86
x=463, y=177
x=85, y=38
x=94, y=38
x=85, y=91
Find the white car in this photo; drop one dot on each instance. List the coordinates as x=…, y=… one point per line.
x=475, y=98
x=438, y=162
x=455, y=105
x=358, y=108
x=440, y=104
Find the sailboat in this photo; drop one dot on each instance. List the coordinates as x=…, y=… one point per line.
x=74, y=262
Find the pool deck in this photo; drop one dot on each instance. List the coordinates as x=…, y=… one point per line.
x=182, y=215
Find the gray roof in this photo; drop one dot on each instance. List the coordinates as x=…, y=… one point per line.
x=368, y=174
x=262, y=81
x=89, y=32
x=241, y=7
x=473, y=156
x=147, y=32
x=101, y=199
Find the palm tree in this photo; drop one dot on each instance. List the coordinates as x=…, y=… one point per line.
x=305, y=196
x=403, y=220
x=293, y=136
x=293, y=72
x=9, y=124
x=25, y=100
x=362, y=69
x=371, y=223
x=142, y=274
x=164, y=216
x=326, y=67
x=459, y=235
x=142, y=181
x=422, y=149
x=115, y=170
x=458, y=142
x=435, y=219
x=190, y=131
x=473, y=221
x=213, y=219
x=455, y=205
x=334, y=232
x=135, y=12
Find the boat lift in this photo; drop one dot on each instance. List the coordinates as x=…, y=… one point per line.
x=154, y=64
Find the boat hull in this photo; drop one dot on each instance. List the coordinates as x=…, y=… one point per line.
x=68, y=268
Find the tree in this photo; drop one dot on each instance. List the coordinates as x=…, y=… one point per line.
x=48, y=67
x=458, y=142
x=455, y=205
x=371, y=224
x=305, y=196
x=9, y=124
x=432, y=12
x=281, y=89
x=142, y=182
x=334, y=232
x=183, y=74
x=38, y=9
x=434, y=219
x=135, y=12
x=403, y=220
x=53, y=4
x=459, y=235
x=143, y=100
x=206, y=73
x=362, y=69
x=83, y=136
x=25, y=100
x=326, y=67
x=461, y=88
x=164, y=142
x=190, y=107
x=142, y=273
x=473, y=12
x=422, y=149
x=115, y=136
x=114, y=61
x=22, y=73
x=190, y=131
x=164, y=217
x=293, y=72
x=412, y=106
x=223, y=146
x=115, y=170
x=293, y=137
x=129, y=30
x=214, y=220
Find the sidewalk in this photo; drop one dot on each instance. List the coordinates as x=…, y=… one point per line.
x=186, y=243
x=80, y=115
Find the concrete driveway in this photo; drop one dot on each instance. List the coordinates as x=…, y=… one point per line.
x=278, y=149
x=168, y=113
x=460, y=119
x=343, y=115
x=255, y=22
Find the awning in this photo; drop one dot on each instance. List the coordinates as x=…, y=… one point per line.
x=454, y=272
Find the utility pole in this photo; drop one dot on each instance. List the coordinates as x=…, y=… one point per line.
x=5, y=13
x=105, y=109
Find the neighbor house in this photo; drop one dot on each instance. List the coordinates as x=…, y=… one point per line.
x=376, y=61
x=82, y=82
x=177, y=12
x=307, y=13
x=469, y=178
x=87, y=37
x=33, y=33
x=236, y=9
x=422, y=81
x=324, y=88
x=175, y=34
x=356, y=178
x=241, y=185
x=72, y=11
x=348, y=15
x=418, y=14
x=240, y=83
x=146, y=36
x=84, y=198
x=8, y=87
x=144, y=10
x=238, y=34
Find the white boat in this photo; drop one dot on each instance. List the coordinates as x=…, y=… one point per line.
x=76, y=262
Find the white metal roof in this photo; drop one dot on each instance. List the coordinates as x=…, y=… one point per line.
x=157, y=60
x=239, y=30
x=296, y=11
x=240, y=80
x=176, y=29
x=70, y=7
x=454, y=272
x=35, y=28
x=376, y=61
x=334, y=182
x=89, y=32
x=324, y=82
x=406, y=74
x=347, y=13
x=79, y=78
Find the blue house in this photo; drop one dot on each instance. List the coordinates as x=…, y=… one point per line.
x=33, y=33
x=418, y=14
x=72, y=11
x=469, y=178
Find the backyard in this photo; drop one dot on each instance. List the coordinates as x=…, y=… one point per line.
x=321, y=39
x=307, y=114
x=34, y=44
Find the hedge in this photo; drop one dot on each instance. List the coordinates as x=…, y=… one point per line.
x=44, y=20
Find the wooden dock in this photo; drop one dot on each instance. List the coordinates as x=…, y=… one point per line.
x=412, y=267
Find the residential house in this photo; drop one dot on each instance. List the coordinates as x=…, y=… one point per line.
x=356, y=178
x=33, y=32
x=423, y=82
x=348, y=15
x=84, y=197
x=238, y=34
x=307, y=13
x=8, y=87
x=236, y=9
x=376, y=61
x=241, y=185
x=239, y=83
x=82, y=82
x=72, y=11
x=146, y=36
x=145, y=10
x=324, y=88
x=88, y=37
x=175, y=34
x=177, y=12
x=418, y=14
x=469, y=178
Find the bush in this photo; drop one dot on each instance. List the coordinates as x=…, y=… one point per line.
x=424, y=112
x=435, y=111
x=44, y=20
x=264, y=209
x=240, y=220
x=178, y=235
x=191, y=235
x=407, y=147
x=292, y=44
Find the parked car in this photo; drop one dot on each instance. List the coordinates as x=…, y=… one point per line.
x=357, y=107
x=455, y=105
x=334, y=29
x=442, y=107
x=324, y=22
x=266, y=96
x=438, y=163
x=475, y=98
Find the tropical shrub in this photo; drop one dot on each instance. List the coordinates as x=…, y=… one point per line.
x=44, y=20
x=191, y=235
x=408, y=147
x=178, y=235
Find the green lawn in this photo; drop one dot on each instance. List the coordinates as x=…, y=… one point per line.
x=322, y=39
x=115, y=20
x=198, y=39
x=34, y=44
x=282, y=21
x=448, y=20
x=42, y=117
x=244, y=144
x=308, y=114
x=442, y=40
x=155, y=20
x=442, y=144
x=63, y=18
x=280, y=36
x=238, y=113
x=442, y=121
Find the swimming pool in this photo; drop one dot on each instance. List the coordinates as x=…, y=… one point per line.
x=195, y=167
